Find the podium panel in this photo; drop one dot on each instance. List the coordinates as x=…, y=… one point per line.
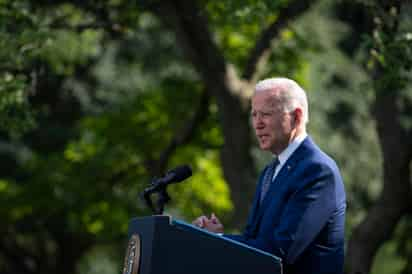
x=160, y=245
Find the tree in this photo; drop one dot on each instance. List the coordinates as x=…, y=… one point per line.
x=389, y=66
x=103, y=79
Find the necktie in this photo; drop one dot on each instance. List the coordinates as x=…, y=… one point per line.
x=267, y=179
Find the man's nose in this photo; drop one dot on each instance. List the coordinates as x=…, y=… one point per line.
x=258, y=122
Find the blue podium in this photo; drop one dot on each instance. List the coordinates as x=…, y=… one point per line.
x=161, y=245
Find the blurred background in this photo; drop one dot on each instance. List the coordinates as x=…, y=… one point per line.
x=99, y=97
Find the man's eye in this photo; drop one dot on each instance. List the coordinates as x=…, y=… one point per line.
x=261, y=114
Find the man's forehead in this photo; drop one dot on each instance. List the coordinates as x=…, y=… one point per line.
x=265, y=104
x=267, y=97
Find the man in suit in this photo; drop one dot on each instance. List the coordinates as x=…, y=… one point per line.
x=298, y=212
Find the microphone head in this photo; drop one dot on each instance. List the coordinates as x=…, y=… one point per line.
x=181, y=172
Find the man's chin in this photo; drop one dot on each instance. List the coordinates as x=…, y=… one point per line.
x=264, y=147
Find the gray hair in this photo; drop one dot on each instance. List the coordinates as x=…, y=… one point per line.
x=291, y=97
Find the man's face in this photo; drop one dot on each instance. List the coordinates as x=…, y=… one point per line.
x=273, y=126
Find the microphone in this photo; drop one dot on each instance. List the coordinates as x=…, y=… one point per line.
x=158, y=185
x=175, y=175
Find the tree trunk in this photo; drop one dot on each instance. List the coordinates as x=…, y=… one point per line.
x=237, y=163
x=394, y=201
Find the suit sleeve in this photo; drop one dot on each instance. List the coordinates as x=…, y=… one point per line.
x=305, y=214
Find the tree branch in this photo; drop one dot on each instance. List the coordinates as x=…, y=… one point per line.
x=260, y=53
x=186, y=134
x=181, y=137
x=191, y=28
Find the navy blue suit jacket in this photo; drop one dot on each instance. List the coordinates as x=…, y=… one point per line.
x=301, y=219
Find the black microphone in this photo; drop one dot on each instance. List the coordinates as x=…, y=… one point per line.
x=175, y=175
x=158, y=185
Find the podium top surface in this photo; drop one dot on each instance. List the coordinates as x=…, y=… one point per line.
x=185, y=226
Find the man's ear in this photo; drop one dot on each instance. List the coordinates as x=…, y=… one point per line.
x=298, y=116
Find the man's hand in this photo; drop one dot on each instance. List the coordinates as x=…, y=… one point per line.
x=200, y=221
x=211, y=224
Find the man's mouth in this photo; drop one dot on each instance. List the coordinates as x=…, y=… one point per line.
x=263, y=137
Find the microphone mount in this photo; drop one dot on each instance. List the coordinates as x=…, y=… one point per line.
x=159, y=185
x=162, y=199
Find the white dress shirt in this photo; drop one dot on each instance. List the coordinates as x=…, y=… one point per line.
x=287, y=152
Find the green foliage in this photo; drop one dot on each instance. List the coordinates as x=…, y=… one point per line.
x=238, y=24
x=15, y=114
x=391, y=48
x=21, y=35
x=20, y=41
x=81, y=169
x=206, y=191
x=387, y=261
x=232, y=12
x=120, y=139
x=65, y=50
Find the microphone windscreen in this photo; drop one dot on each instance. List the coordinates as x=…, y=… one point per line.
x=181, y=173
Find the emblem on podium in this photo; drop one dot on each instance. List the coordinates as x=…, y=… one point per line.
x=132, y=257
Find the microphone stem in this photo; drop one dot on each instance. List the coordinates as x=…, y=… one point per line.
x=162, y=200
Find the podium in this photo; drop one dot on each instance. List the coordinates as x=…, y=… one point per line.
x=161, y=245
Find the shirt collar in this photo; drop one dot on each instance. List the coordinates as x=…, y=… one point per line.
x=287, y=152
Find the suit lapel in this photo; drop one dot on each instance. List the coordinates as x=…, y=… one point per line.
x=283, y=174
